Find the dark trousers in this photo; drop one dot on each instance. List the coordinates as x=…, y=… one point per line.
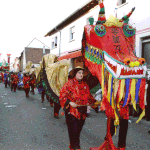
x=122, y=131
x=74, y=129
x=12, y=86
x=27, y=91
x=43, y=93
x=15, y=87
x=32, y=88
x=56, y=108
x=51, y=101
x=6, y=83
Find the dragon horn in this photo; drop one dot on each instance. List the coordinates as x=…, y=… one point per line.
x=101, y=17
x=128, y=15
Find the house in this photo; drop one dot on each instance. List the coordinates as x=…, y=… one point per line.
x=34, y=52
x=66, y=37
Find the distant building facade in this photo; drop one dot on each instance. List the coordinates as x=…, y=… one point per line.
x=33, y=54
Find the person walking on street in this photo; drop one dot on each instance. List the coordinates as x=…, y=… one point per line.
x=15, y=81
x=6, y=79
x=11, y=81
x=26, y=79
x=74, y=98
x=32, y=82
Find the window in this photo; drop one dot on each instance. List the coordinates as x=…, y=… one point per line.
x=54, y=42
x=120, y=2
x=146, y=52
x=72, y=33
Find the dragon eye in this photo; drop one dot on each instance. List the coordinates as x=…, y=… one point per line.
x=128, y=30
x=100, y=30
x=127, y=61
x=142, y=61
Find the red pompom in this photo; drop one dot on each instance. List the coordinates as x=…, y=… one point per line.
x=62, y=113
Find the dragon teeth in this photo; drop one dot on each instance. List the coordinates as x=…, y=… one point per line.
x=118, y=69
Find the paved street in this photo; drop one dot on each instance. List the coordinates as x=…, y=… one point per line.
x=28, y=124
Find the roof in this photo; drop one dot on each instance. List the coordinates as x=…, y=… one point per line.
x=74, y=16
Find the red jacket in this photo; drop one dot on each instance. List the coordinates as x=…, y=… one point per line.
x=33, y=79
x=26, y=82
x=12, y=78
x=76, y=92
x=15, y=79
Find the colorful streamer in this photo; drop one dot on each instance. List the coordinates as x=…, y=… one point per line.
x=142, y=93
x=137, y=90
x=122, y=89
x=102, y=78
x=141, y=116
x=127, y=82
x=132, y=92
x=109, y=94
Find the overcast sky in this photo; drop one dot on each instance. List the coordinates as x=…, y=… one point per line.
x=23, y=20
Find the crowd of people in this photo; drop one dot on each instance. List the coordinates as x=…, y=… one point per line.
x=75, y=116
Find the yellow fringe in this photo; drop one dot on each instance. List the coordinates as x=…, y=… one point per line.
x=132, y=92
x=103, y=78
x=141, y=116
x=121, y=89
x=109, y=87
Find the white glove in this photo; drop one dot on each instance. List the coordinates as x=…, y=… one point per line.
x=73, y=104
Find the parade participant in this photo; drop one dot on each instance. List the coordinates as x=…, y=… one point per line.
x=12, y=80
x=26, y=79
x=74, y=97
x=56, y=105
x=32, y=82
x=56, y=110
x=15, y=81
x=19, y=75
x=43, y=94
x=6, y=79
x=2, y=74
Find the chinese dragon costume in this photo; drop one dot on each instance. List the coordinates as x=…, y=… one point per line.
x=52, y=74
x=108, y=52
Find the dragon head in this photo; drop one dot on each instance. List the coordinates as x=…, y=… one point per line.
x=108, y=49
x=113, y=42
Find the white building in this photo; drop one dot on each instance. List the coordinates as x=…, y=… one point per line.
x=66, y=37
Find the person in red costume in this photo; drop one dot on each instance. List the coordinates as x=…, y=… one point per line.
x=74, y=98
x=32, y=82
x=15, y=81
x=26, y=80
x=11, y=81
x=2, y=74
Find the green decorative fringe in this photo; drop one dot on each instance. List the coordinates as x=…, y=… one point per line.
x=96, y=88
x=48, y=91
